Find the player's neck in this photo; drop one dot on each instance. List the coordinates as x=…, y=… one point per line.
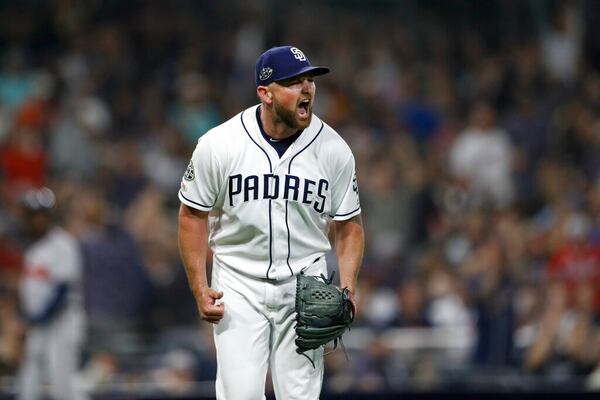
x=273, y=127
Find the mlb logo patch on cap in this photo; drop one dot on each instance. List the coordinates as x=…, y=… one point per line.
x=284, y=62
x=265, y=73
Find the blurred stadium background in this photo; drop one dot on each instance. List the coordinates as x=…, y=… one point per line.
x=476, y=128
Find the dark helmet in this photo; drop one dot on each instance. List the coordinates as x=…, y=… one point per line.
x=42, y=199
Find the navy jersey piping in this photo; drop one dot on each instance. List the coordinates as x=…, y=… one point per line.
x=286, y=202
x=270, y=221
x=287, y=226
x=194, y=202
x=343, y=215
x=298, y=153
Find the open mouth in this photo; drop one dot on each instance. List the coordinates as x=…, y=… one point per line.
x=304, y=108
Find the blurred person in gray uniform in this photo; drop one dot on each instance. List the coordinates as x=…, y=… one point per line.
x=481, y=157
x=51, y=302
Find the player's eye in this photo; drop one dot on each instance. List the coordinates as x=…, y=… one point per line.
x=295, y=81
x=285, y=83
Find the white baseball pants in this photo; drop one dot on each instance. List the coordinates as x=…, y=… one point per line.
x=257, y=332
x=52, y=354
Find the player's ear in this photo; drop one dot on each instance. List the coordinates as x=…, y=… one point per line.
x=264, y=94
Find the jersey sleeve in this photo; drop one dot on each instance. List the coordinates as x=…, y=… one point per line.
x=345, y=201
x=199, y=184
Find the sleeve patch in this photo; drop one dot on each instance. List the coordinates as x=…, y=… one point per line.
x=189, y=172
x=355, y=184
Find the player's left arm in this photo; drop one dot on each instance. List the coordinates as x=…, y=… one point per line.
x=349, y=248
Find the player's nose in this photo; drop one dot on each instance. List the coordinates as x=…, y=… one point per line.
x=308, y=85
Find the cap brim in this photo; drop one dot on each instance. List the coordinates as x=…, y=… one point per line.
x=312, y=70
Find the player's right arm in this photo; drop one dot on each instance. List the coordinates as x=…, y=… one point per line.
x=193, y=247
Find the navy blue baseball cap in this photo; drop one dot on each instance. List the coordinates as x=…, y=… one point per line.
x=284, y=62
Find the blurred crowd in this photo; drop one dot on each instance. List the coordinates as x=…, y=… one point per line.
x=476, y=131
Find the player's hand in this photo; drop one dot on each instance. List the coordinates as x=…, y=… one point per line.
x=211, y=310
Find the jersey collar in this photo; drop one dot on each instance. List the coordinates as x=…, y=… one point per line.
x=253, y=128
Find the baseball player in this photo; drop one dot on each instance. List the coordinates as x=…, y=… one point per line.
x=262, y=190
x=51, y=302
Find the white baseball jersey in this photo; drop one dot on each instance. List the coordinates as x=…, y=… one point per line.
x=269, y=216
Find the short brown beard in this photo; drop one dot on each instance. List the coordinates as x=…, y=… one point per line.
x=289, y=117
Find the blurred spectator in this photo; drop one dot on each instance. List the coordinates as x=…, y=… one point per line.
x=579, y=141
x=11, y=334
x=23, y=160
x=11, y=259
x=447, y=303
x=74, y=139
x=115, y=280
x=482, y=157
x=11, y=327
x=412, y=304
x=415, y=110
x=593, y=201
x=170, y=302
x=561, y=40
x=528, y=127
x=193, y=113
x=387, y=203
x=178, y=372
x=125, y=178
x=16, y=78
x=163, y=158
x=560, y=344
x=576, y=261
x=491, y=286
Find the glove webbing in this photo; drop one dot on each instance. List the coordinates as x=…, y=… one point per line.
x=336, y=340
